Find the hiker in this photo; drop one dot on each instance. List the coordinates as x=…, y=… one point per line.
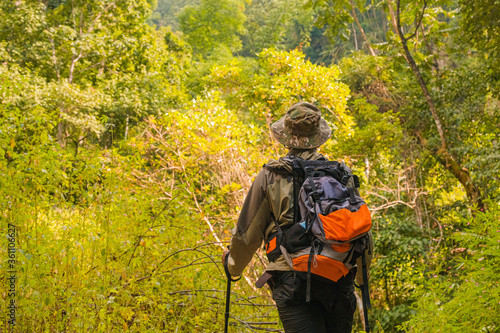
x=270, y=198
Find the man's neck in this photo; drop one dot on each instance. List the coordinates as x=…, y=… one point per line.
x=299, y=152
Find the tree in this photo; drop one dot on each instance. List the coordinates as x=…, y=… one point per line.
x=283, y=25
x=279, y=79
x=341, y=18
x=165, y=14
x=414, y=12
x=480, y=28
x=94, y=56
x=443, y=152
x=479, y=23
x=212, y=24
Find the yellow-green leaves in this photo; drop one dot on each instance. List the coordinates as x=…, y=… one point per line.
x=282, y=79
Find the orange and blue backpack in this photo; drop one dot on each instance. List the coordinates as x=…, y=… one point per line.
x=330, y=225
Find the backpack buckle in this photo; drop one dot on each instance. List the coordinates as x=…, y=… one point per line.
x=356, y=181
x=345, y=179
x=314, y=191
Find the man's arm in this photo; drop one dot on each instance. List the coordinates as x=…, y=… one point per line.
x=249, y=232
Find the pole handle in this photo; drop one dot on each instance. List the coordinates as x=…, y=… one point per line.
x=226, y=270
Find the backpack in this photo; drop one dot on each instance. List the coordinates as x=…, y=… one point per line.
x=330, y=223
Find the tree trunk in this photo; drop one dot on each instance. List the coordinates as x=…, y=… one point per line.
x=443, y=154
x=126, y=129
x=355, y=37
x=361, y=29
x=60, y=131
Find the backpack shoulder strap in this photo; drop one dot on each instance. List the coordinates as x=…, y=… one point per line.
x=278, y=170
x=281, y=169
x=347, y=175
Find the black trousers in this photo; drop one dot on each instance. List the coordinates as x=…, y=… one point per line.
x=331, y=308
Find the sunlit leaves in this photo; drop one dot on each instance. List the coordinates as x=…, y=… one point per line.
x=283, y=79
x=213, y=23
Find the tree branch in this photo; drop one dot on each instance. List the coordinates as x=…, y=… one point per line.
x=420, y=79
x=154, y=271
x=92, y=66
x=54, y=58
x=419, y=21
x=152, y=224
x=361, y=29
x=398, y=20
x=72, y=66
x=91, y=28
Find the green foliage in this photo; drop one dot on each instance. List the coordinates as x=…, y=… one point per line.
x=107, y=238
x=346, y=33
x=466, y=104
x=93, y=57
x=373, y=78
x=281, y=79
x=461, y=292
x=335, y=14
x=283, y=25
x=165, y=14
x=213, y=23
x=479, y=27
x=123, y=192
x=401, y=247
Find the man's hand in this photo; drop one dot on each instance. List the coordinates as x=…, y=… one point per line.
x=224, y=255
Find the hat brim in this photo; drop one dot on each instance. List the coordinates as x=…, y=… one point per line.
x=302, y=142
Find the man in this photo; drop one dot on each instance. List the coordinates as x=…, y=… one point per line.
x=270, y=198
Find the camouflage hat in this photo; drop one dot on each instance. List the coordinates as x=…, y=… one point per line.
x=302, y=127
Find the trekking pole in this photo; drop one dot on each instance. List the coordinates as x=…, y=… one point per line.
x=365, y=308
x=365, y=294
x=228, y=292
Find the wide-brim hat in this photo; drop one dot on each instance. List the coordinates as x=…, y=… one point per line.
x=302, y=127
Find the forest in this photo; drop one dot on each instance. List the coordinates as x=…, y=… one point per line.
x=131, y=131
